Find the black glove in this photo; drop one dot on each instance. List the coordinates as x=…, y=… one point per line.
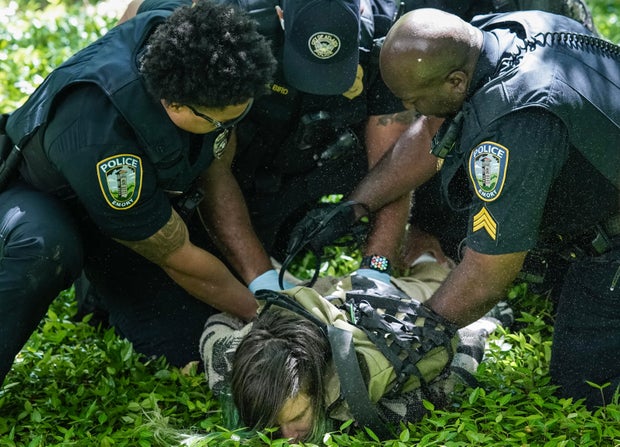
x=322, y=227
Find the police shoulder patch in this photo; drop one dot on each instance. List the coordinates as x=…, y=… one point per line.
x=120, y=179
x=488, y=164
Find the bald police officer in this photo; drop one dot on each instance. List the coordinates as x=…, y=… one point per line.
x=530, y=113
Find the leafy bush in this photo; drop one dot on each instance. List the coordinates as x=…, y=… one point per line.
x=75, y=385
x=606, y=16
x=34, y=41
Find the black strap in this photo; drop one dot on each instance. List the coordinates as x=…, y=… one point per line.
x=286, y=302
x=10, y=155
x=352, y=386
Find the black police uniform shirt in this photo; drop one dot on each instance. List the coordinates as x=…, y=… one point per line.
x=529, y=184
x=86, y=135
x=93, y=146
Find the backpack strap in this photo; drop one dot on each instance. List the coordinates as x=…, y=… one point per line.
x=352, y=385
x=404, y=340
x=286, y=302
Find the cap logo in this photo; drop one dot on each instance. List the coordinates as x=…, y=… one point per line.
x=324, y=45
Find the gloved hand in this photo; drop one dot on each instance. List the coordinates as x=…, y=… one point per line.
x=321, y=227
x=269, y=281
x=374, y=274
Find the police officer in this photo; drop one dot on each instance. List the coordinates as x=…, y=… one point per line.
x=438, y=227
x=108, y=141
x=328, y=116
x=531, y=105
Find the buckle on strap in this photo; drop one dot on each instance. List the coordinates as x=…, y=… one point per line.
x=605, y=235
x=612, y=226
x=601, y=242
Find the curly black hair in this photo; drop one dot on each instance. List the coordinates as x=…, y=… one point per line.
x=207, y=55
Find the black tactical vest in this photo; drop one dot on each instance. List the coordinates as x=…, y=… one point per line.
x=583, y=94
x=111, y=63
x=580, y=92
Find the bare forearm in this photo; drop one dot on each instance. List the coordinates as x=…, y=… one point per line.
x=475, y=286
x=197, y=271
x=388, y=228
x=402, y=169
x=389, y=222
x=227, y=219
x=215, y=286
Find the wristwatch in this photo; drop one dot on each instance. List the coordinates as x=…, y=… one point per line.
x=376, y=262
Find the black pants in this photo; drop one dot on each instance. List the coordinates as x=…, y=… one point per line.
x=43, y=251
x=586, y=341
x=142, y=302
x=40, y=255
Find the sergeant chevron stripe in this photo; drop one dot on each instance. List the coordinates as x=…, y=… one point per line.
x=484, y=220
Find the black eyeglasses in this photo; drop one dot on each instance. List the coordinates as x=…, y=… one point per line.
x=219, y=124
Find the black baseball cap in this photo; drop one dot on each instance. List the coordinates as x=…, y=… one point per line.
x=321, y=44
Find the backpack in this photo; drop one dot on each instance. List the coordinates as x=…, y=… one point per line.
x=415, y=342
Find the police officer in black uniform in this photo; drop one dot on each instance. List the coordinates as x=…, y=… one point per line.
x=109, y=142
x=439, y=226
x=327, y=117
x=532, y=118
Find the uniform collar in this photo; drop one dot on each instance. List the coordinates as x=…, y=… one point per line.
x=487, y=62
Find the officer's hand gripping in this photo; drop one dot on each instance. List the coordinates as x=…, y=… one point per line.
x=322, y=227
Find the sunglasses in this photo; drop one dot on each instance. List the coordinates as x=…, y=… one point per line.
x=219, y=124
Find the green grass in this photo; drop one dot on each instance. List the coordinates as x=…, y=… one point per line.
x=73, y=385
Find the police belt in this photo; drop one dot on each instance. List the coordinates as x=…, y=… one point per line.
x=600, y=239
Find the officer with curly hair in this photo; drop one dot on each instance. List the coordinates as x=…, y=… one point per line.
x=109, y=142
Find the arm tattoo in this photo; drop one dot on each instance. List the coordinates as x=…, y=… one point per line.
x=158, y=247
x=406, y=117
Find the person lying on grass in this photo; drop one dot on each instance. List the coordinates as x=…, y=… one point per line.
x=285, y=369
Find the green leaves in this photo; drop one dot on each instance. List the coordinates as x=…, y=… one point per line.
x=73, y=385
x=34, y=40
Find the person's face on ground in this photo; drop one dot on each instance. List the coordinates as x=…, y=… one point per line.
x=296, y=417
